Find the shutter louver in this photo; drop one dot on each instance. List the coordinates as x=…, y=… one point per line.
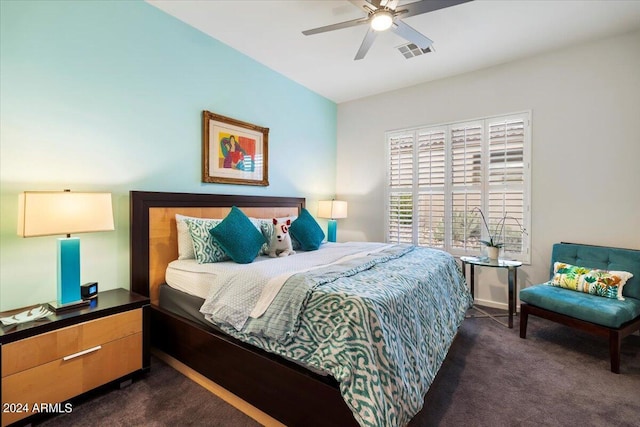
x=431, y=214
x=431, y=159
x=506, y=144
x=401, y=162
x=400, y=218
x=508, y=203
x=400, y=205
x=466, y=181
x=506, y=181
x=465, y=229
x=466, y=153
x=431, y=179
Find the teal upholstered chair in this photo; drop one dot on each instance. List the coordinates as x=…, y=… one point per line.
x=608, y=317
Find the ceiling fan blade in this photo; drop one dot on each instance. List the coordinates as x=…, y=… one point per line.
x=365, y=5
x=410, y=34
x=392, y=4
x=424, y=6
x=337, y=26
x=366, y=43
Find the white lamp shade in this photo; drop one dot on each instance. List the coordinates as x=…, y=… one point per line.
x=45, y=213
x=333, y=209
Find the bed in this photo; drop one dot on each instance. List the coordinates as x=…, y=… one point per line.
x=286, y=376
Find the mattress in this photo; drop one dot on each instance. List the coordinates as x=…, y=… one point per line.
x=195, y=279
x=183, y=304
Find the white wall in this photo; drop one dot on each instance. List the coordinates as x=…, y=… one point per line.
x=585, y=102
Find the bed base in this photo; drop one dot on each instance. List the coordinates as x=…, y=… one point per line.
x=284, y=390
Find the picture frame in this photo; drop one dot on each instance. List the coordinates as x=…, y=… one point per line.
x=233, y=151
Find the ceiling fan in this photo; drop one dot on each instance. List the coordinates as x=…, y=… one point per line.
x=385, y=15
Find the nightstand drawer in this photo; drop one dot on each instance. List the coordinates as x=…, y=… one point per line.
x=59, y=380
x=41, y=349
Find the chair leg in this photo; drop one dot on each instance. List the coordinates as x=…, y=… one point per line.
x=524, y=316
x=614, y=351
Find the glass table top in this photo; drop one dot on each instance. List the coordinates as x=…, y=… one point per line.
x=488, y=262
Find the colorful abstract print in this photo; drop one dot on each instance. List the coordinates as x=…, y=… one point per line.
x=603, y=283
x=237, y=152
x=382, y=333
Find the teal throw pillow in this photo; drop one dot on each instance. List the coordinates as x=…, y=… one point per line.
x=306, y=231
x=239, y=237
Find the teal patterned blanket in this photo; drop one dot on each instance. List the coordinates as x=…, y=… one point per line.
x=381, y=325
x=283, y=317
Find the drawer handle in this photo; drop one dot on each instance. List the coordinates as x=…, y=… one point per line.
x=80, y=353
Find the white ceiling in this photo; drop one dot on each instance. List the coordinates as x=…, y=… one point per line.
x=467, y=37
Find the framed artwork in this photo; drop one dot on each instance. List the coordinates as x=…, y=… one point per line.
x=233, y=152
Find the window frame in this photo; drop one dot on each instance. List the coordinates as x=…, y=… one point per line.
x=484, y=186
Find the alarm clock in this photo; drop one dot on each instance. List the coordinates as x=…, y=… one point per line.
x=89, y=290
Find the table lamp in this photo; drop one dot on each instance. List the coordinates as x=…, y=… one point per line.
x=46, y=213
x=332, y=209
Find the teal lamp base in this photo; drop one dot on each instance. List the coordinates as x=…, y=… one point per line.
x=68, y=275
x=331, y=230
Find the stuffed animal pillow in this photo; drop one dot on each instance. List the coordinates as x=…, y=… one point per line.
x=280, y=244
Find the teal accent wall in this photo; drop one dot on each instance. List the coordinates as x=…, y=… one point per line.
x=108, y=96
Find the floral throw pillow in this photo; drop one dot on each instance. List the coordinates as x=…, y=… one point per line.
x=603, y=283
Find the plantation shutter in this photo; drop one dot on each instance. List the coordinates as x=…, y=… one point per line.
x=466, y=182
x=431, y=157
x=439, y=176
x=506, y=176
x=400, y=203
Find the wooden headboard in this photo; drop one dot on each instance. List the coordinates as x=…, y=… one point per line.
x=154, y=242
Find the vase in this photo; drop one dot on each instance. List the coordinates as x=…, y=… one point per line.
x=493, y=252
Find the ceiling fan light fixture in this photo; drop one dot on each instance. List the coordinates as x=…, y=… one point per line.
x=381, y=20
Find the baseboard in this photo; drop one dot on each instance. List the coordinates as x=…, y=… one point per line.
x=493, y=304
x=222, y=393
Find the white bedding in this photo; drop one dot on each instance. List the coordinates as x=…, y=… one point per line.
x=265, y=274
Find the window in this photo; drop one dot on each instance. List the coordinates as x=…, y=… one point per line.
x=438, y=175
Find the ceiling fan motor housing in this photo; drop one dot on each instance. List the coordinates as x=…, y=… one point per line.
x=381, y=20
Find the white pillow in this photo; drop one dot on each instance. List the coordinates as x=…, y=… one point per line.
x=185, y=242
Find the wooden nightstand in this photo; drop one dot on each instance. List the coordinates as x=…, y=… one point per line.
x=49, y=361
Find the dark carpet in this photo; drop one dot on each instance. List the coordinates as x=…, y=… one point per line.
x=163, y=397
x=556, y=377
x=491, y=377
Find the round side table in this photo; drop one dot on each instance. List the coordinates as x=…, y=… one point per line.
x=511, y=266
